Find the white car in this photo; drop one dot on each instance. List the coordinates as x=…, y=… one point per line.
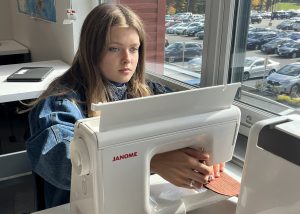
x=195, y=64
x=256, y=67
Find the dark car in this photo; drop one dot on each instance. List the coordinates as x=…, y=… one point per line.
x=280, y=15
x=258, y=29
x=179, y=51
x=291, y=49
x=256, y=40
x=286, y=25
x=295, y=36
x=200, y=34
x=191, y=31
x=296, y=25
x=255, y=30
x=284, y=34
x=255, y=19
x=271, y=47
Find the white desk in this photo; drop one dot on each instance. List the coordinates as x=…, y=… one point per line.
x=9, y=47
x=14, y=91
x=226, y=206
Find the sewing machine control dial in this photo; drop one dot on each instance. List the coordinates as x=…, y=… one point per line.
x=80, y=157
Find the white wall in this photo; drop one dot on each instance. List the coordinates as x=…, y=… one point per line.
x=82, y=8
x=5, y=20
x=47, y=40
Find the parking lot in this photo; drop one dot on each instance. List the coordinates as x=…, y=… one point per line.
x=172, y=38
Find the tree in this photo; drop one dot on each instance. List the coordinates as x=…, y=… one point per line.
x=268, y=4
x=171, y=7
x=256, y=4
x=181, y=5
x=197, y=6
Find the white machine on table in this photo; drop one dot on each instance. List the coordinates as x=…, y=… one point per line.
x=270, y=175
x=111, y=154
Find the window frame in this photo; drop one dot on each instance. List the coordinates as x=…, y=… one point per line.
x=217, y=42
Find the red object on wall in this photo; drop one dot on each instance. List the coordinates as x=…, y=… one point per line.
x=152, y=13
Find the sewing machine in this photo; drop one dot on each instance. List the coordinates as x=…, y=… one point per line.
x=270, y=180
x=111, y=171
x=111, y=154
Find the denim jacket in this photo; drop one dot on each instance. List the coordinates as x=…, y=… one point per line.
x=52, y=129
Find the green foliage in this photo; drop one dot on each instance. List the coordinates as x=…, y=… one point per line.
x=287, y=6
x=260, y=85
x=194, y=6
x=266, y=5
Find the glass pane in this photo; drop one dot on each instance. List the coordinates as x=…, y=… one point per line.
x=184, y=32
x=273, y=36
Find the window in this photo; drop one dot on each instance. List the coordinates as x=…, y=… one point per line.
x=259, y=63
x=272, y=40
x=214, y=42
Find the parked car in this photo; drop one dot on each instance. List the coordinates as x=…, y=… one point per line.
x=295, y=36
x=286, y=25
x=255, y=18
x=286, y=80
x=172, y=29
x=283, y=34
x=296, y=26
x=195, y=64
x=295, y=18
x=255, y=67
x=200, y=34
x=180, y=51
x=291, y=49
x=266, y=15
x=279, y=15
x=183, y=29
x=171, y=23
x=271, y=47
x=257, y=29
x=191, y=31
x=256, y=40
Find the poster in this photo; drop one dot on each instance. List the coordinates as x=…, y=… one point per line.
x=41, y=9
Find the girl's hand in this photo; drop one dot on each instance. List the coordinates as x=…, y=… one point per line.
x=217, y=168
x=183, y=167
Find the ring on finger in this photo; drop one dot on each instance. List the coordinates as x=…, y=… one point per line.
x=192, y=183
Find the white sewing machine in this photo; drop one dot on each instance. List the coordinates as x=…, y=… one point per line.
x=111, y=154
x=269, y=181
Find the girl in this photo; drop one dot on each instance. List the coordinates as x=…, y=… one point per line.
x=108, y=66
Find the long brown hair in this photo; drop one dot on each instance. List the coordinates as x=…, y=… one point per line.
x=84, y=72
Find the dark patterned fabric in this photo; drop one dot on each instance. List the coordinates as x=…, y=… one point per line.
x=117, y=91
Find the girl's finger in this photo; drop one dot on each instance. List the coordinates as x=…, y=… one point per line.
x=222, y=167
x=198, y=154
x=216, y=168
